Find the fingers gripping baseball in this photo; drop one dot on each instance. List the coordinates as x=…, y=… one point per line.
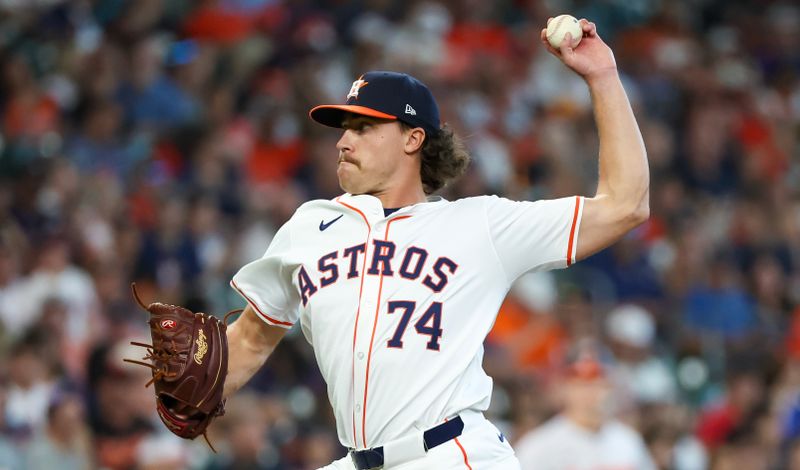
x=590, y=57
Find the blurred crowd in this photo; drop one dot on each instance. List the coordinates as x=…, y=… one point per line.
x=164, y=142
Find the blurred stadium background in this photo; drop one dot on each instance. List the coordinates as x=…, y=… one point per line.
x=165, y=141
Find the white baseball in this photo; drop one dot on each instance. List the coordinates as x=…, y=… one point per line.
x=559, y=26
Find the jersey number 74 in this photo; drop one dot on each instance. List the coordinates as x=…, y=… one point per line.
x=428, y=324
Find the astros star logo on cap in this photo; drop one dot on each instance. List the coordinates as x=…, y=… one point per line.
x=356, y=86
x=390, y=96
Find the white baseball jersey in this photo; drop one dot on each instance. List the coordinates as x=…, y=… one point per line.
x=397, y=308
x=560, y=444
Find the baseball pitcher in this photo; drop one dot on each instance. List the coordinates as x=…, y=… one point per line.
x=396, y=289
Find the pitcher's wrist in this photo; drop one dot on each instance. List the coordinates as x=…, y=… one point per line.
x=602, y=78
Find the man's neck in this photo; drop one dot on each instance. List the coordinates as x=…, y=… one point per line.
x=394, y=199
x=588, y=423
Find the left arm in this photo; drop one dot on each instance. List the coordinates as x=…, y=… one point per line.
x=250, y=342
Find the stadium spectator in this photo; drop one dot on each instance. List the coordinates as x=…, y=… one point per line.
x=583, y=436
x=64, y=442
x=639, y=372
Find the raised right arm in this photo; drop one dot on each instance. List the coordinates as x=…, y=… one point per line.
x=622, y=201
x=250, y=342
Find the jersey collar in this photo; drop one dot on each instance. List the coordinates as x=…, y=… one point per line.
x=372, y=205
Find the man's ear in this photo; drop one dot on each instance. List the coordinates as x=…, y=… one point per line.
x=414, y=139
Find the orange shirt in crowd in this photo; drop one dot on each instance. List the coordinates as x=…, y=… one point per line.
x=272, y=162
x=534, y=340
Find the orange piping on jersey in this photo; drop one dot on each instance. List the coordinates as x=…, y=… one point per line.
x=572, y=230
x=464, y=453
x=358, y=311
x=255, y=307
x=372, y=339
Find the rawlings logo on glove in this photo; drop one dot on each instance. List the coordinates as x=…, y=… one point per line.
x=202, y=348
x=189, y=360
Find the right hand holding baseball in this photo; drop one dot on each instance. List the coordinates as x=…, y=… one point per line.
x=592, y=58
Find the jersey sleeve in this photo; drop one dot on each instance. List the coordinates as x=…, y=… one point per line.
x=266, y=283
x=534, y=236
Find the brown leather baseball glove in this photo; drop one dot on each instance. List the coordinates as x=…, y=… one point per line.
x=189, y=360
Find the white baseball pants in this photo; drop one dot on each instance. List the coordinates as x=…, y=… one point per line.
x=480, y=447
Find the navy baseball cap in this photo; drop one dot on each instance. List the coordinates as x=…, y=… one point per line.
x=386, y=95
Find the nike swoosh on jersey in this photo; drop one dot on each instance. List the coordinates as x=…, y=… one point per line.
x=324, y=226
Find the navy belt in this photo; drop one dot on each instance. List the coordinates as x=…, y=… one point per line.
x=435, y=436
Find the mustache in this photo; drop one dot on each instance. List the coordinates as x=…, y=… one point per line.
x=345, y=158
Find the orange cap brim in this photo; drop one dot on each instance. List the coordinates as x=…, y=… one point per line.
x=332, y=114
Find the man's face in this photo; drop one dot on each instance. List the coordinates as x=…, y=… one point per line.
x=587, y=397
x=370, y=152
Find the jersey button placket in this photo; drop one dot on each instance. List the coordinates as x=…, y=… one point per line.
x=365, y=323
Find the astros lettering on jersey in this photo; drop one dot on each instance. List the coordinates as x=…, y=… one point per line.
x=397, y=307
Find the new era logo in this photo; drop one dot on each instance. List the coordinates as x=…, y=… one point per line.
x=410, y=110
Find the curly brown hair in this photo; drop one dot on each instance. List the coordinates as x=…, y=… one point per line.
x=444, y=158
